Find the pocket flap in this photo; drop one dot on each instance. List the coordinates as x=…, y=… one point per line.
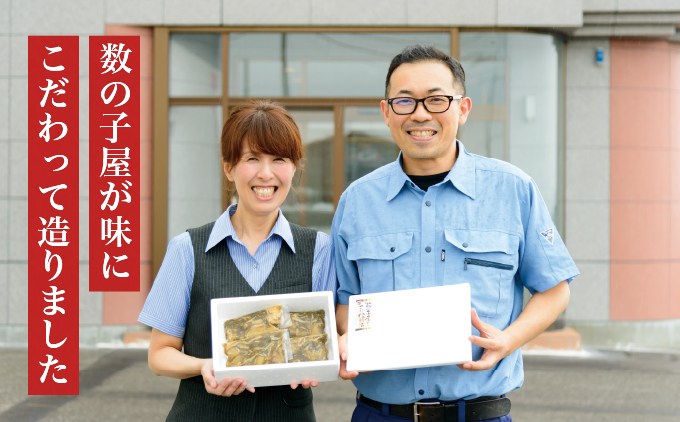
x=482, y=241
x=385, y=246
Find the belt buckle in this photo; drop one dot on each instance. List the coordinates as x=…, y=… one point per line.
x=416, y=416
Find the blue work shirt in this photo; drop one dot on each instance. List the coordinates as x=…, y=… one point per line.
x=167, y=306
x=485, y=224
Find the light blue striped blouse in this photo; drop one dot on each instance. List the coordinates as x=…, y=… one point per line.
x=167, y=306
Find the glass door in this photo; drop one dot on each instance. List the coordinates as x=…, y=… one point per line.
x=368, y=142
x=194, y=167
x=310, y=203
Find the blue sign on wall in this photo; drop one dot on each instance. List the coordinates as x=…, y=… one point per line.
x=599, y=56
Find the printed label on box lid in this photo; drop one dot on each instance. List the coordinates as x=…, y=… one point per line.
x=363, y=314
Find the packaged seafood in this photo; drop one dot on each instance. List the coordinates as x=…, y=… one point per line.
x=308, y=348
x=261, y=337
x=268, y=321
x=250, y=365
x=307, y=323
x=263, y=349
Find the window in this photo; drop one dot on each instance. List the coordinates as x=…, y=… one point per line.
x=515, y=82
x=332, y=83
x=317, y=64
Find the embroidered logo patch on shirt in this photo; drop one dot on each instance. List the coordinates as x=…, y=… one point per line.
x=548, y=235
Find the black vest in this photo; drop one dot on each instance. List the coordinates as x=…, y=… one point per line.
x=216, y=276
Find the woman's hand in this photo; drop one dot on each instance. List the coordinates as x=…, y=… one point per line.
x=305, y=384
x=166, y=358
x=227, y=387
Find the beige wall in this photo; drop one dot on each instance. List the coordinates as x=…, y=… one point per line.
x=587, y=178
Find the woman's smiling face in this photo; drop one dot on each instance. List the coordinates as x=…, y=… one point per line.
x=262, y=180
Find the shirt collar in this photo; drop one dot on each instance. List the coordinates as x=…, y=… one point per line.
x=461, y=175
x=223, y=229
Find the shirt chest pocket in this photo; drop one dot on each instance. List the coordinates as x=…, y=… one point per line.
x=487, y=260
x=383, y=261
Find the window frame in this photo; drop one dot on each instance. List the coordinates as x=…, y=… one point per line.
x=162, y=102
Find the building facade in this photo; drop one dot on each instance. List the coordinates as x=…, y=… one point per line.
x=584, y=96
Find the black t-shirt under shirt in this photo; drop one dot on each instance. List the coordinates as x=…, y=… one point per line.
x=424, y=182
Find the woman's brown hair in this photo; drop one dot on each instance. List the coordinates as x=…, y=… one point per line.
x=267, y=128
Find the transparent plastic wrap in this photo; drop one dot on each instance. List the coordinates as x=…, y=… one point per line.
x=286, y=346
x=305, y=324
x=264, y=349
x=228, y=363
x=309, y=348
x=275, y=335
x=268, y=321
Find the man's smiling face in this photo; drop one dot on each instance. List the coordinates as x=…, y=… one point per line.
x=422, y=135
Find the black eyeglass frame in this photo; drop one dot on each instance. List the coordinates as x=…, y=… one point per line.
x=422, y=100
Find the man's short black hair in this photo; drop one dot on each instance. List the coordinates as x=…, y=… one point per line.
x=424, y=53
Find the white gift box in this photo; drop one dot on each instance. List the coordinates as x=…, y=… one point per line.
x=409, y=328
x=281, y=373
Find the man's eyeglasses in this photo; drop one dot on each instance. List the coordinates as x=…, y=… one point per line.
x=433, y=104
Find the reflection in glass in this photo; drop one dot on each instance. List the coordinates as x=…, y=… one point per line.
x=194, y=167
x=513, y=80
x=195, y=62
x=484, y=137
x=311, y=203
x=317, y=65
x=368, y=142
x=484, y=58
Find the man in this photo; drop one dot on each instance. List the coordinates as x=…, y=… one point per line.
x=437, y=216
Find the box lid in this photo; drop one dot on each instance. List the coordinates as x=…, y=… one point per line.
x=409, y=328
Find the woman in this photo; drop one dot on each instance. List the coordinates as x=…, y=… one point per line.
x=250, y=250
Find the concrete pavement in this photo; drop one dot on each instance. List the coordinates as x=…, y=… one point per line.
x=116, y=385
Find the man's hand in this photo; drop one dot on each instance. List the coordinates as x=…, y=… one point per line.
x=541, y=310
x=495, y=343
x=227, y=387
x=341, y=316
x=342, y=348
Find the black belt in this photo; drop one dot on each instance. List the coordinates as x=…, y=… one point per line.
x=478, y=409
